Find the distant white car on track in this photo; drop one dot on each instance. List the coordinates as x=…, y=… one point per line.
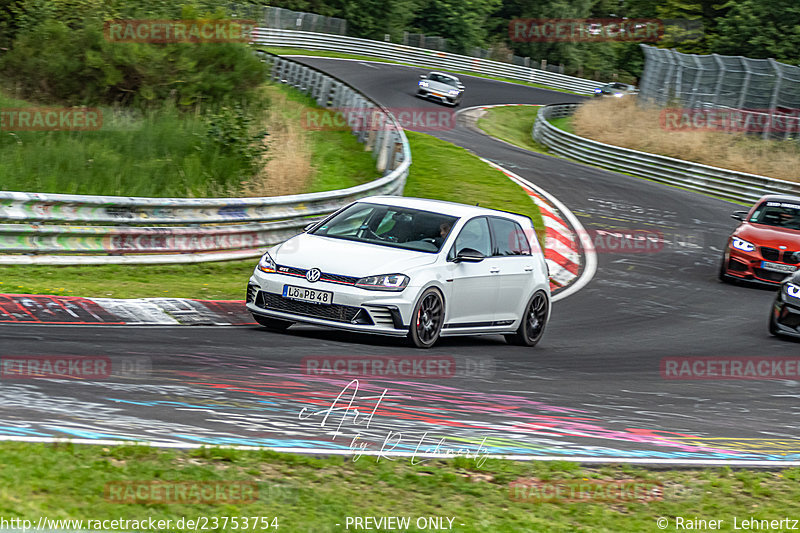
x=408, y=267
x=441, y=86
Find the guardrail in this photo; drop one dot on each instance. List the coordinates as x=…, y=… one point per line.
x=420, y=56
x=728, y=184
x=177, y=230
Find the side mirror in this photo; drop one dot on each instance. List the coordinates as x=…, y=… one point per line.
x=460, y=86
x=423, y=77
x=308, y=227
x=739, y=215
x=468, y=255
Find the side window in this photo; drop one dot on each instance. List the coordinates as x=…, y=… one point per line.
x=509, y=238
x=475, y=235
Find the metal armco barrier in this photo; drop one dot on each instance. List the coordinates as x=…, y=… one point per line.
x=420, y=56
x=41, y=228
x=728, y=184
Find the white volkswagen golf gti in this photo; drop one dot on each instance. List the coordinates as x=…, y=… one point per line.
x=408, y=267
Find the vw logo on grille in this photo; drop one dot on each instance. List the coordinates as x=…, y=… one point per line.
x=313, y=275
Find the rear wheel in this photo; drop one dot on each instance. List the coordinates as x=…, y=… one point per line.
x=273, y=324
x=531, y=328
x=427, y=320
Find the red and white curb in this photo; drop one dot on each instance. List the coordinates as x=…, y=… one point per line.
x=73, y=310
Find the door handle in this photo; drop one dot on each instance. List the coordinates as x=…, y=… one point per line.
x=494, y=270
x=528, y=269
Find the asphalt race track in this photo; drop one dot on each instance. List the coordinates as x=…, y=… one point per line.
x=592, y=389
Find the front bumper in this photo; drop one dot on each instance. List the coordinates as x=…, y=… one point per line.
x=748, y=266
x=786, y=316
x=353, y=308
x=445, y=99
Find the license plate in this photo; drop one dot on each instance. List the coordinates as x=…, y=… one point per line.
x=777, y=267
x=313, y=296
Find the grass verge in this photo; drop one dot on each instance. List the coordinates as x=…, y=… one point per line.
x=167, y=153
x=441, y=171
x=619, y=121
x=512, y=124
x=339, y=55
x=64, y=481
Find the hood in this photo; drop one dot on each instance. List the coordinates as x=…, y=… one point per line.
x=348, y=258
x=769, y=236
x=441, y=87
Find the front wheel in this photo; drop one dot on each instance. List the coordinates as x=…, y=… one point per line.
x=273, y=324
x=427, y=320
x=531, y=327
x=773, y=327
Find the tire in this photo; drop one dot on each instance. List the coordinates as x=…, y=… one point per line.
x=427, y=319
x=273, y=324
x=773, y=327
x=722, y=276
x=532, y=325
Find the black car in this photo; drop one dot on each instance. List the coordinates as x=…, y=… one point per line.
x=784, y=318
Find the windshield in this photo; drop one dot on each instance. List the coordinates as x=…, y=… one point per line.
x=779, y=214
x=398, y=227
x=443, y=79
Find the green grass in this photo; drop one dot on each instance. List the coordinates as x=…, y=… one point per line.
x=513, y=125
x=206, y=281
x=563, y=123
x=339, y=160
x=324, y=53
x=307, y=493
x=163, y=153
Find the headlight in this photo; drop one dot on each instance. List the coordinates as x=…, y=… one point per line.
x=742, y=245
x=453, y=92
x=266, y=263
x=598, y=90
x=384, y=282
x=792, y=290
x=423, y=84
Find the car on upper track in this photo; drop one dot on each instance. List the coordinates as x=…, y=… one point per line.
x=440, y=86
x=784, y=317
x=762, y=249
x=408, y=267
x=615, y=89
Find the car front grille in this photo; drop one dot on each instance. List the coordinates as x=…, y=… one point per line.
x=335, y=312
x=770, y=254
x=326, y=276
x=769, y=275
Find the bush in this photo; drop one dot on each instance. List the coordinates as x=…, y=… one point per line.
x=78, y=66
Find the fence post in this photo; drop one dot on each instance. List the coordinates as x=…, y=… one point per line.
x=773, y=101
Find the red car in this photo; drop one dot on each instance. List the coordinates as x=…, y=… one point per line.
x=761, y=249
